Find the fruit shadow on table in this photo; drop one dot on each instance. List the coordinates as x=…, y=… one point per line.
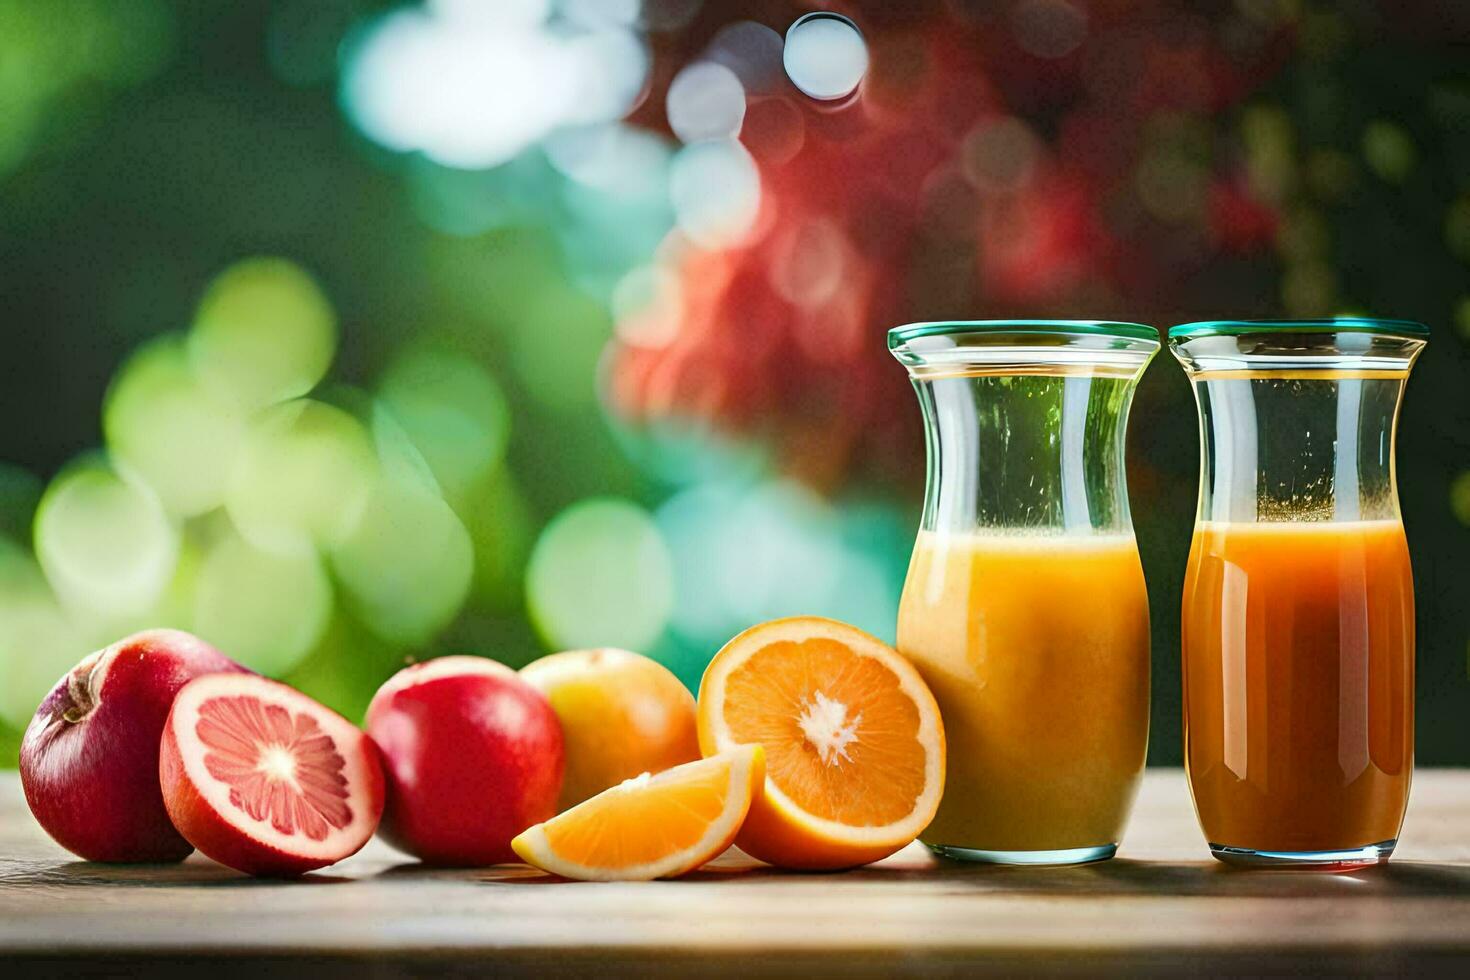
x=188, y=874
x=1120, y=877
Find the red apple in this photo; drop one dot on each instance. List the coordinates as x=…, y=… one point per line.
x=89, y=759
x=473, y=756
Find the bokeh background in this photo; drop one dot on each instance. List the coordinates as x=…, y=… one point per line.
x=345, y=333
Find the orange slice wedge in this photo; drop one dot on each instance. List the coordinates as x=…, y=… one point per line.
x=854, y=744
x=650, y=827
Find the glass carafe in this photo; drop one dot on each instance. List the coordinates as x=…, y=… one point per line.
x=1025, y=607
x=1298, y=615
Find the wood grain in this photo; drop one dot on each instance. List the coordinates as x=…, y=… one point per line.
x=1162, y=907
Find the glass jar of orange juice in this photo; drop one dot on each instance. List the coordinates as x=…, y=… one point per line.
x=1025, y=607
x=1298, y=618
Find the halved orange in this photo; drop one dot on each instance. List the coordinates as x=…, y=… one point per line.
x=658, y=826
x=854, y=743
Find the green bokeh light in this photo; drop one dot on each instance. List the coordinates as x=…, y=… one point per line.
x=105, y=543
x=1460, y=497
x=452, y=410
x=1462, y=318
x=492, y=280
x=407, y=566
x=302, y=477
x=1270, y=145
x=398, y=457
x=264, y=332
x=36, y=638
x=558, y=340
x=171, y=429
x=600, y=575
x=265, y=609
x=1389, y=150
x=174, y=608
x=345, y=668
x=56, y=60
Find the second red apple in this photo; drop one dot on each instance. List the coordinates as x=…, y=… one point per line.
x=473, y=756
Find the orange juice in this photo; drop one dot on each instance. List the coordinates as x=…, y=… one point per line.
x=1299, y=683
x=1036, y=647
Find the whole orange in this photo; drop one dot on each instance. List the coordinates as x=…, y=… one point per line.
x=621, y=714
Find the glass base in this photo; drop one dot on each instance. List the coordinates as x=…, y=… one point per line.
x=1070, y=855
x=1346, y=860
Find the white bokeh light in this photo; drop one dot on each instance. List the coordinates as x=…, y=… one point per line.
x=610, y=71
x=612, y=157
x=471, y=85
x=705, y=102
x=498, y=13
x=715, y=188
x=825, y=56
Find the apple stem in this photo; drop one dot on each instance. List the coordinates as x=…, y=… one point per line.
x=79, y=691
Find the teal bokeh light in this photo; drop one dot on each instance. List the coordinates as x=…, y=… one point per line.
x=600, y=575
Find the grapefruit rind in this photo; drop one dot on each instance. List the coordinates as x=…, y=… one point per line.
x=746, y=772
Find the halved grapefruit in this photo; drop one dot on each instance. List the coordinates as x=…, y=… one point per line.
x=261, y=778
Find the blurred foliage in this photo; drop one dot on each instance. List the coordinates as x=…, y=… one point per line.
x=347, y=333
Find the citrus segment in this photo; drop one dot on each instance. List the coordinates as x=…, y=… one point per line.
x=853, y=740
x=652, y=826
x=279, y=766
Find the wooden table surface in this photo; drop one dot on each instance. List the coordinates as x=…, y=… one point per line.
x=1162, y=907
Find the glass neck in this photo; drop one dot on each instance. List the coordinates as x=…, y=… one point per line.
x=1298, y=427
x=1025, y=433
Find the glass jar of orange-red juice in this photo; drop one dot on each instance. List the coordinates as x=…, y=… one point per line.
x=1025, y=607
x=1298, y=601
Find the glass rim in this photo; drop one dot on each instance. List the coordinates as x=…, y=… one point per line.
x=898, y=336
x=1412, y=329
